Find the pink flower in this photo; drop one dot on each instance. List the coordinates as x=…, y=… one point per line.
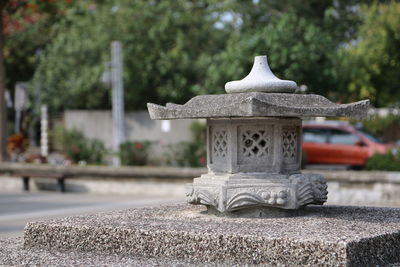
x=203, y=161
x=138, y=146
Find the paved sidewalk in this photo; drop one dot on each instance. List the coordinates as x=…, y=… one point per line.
x=17, y=209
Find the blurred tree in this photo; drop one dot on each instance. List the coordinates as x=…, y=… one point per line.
x=16, y=53
x=167, y=45
x=302, y=39
x=371, y=63
x=27, y=27
x=338, y=17
x=294, y=47
x=3, y=108
x=176, y=49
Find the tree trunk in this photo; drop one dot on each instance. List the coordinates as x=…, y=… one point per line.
x=3, y=107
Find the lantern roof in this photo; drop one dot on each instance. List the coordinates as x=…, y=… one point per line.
x=257, y=104
x=259, y=94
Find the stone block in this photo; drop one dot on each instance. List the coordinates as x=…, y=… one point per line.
x=313, y=236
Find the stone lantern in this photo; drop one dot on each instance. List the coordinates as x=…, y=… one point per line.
x=254, y=136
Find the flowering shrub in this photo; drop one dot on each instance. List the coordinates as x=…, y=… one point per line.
x=79, y=148
x=35, y=158
x=190, y=154
x=134, y=153
x=16, y=145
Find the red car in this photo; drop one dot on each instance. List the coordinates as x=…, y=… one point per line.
x=339, y=143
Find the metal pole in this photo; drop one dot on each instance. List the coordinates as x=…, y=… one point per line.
x=44, y=137
x=17, y=121
x=20, y=103
x=117, y=98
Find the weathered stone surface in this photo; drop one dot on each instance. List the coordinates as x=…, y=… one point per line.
x=12, y=253
x=261, y=79
x=249, y=145
x=230, y=192
x=255, y=162
x=254, y=132
x=257, y=104
x=313, y=236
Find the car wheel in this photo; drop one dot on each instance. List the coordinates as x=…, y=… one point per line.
x=356, y=167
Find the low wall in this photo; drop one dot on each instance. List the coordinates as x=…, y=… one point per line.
x=104, y=171
x=138, y=127
x=370, y=188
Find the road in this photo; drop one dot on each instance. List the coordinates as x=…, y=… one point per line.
x=17, y=209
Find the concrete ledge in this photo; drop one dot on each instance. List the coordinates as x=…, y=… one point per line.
x=179, y=172
x=314, y=236
x=358, y=176
x=104, y=171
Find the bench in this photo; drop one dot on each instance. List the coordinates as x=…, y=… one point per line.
x=27, y=175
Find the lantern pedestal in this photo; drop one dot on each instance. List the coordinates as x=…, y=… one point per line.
x=230, y=192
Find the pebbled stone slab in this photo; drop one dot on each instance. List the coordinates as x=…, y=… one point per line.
x=12, y=253
x=257, y=104
x=313, y=236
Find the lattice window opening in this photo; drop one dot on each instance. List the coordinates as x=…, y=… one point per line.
x=220, y=144
x=255, y=143
x=289, y=149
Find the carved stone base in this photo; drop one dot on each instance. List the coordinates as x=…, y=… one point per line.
x=229, y=192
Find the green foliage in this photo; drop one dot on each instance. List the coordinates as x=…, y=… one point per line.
x=57, y=136
x=175, y=49
x=19, y=53
x=190, y=154
x=386, y=162
x=372, y=62
x=294, y=47
x=134, y=153
x=166, y=45
x=378, y=124
x=199, y=130
x=79, y=148
x=27, y=27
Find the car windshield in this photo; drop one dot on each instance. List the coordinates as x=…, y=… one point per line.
x=371, y=137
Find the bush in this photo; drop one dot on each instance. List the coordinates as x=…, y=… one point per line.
x=194, y=153
x=17, y=144
x=79, y=148
x=385, y=162
x=134, y=153
x=377, y=124
x=57, y=136
x=190, y=154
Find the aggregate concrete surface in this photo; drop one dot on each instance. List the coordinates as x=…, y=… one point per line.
x=314, y=236
x=12, y=253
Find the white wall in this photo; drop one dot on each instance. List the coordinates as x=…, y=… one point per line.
x=138, y=127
